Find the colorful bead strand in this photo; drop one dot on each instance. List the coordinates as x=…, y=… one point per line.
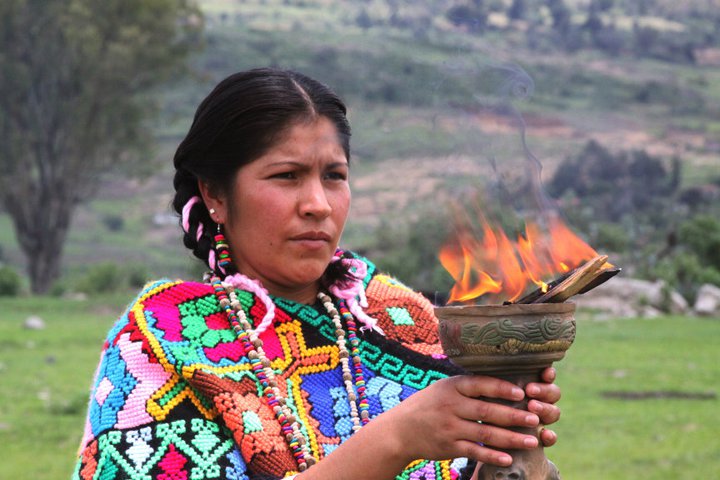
x=222, y=251
x=260, y=364
x=344, y=355
x=363, y=404
x=353, y=377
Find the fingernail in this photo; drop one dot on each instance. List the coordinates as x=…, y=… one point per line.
x=533, y=390
x=535, y=406
x=532, y=419
x=530, y=442
x=518, y=393
x=505, y=459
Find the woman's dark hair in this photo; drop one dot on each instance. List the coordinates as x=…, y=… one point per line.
x=238, y=122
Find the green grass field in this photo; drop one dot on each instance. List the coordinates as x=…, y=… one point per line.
x=46, y=375
x=604, y=438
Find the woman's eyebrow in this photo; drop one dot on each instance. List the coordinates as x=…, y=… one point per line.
x=296, y=164
x=286, y=163
x=338, y=164
x=293, y=164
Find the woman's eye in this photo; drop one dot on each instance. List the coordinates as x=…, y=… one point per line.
x=336, y=176
x=284, y=175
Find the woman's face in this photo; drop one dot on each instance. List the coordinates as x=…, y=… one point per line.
x=287, y=210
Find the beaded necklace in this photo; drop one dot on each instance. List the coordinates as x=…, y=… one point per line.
x=353, y=378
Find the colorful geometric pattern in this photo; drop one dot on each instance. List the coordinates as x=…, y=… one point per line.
x=175, y=396
x=182, y=449
x=404, y=315
x=400, y=316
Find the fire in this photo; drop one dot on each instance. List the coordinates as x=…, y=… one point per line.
x=503, y=268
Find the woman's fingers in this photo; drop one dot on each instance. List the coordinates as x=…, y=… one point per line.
x=543, y=397
x=485, y=455
x=498, y=437
x=502, y=415
x=459, y=416
x=490, y=387
x=481, y=444
x=545, y=392
x=548, y=375
x=548, y=437
x=547, y=412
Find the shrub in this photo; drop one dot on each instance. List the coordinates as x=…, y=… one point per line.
x=472, y=17
x=410, y=253
x=701, y=235
x=114, y=223
x=685, y=273
x=137, y=275
x=363, y=20
x=619, y=185
x=9, y=282
x=58, y=289
x=102, y=278
x=612, y=237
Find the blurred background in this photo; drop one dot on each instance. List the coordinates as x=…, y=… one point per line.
x=450, y=102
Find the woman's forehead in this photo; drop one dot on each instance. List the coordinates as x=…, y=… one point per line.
x=319, y=137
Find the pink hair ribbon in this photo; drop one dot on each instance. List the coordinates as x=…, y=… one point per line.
x=353, y=292
x=186, y=212
x=242, y=282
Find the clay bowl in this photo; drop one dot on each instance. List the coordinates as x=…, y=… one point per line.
x=485, y=339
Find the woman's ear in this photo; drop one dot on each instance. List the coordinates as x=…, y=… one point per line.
x=215, y=202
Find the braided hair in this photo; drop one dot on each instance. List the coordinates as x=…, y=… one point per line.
x=238, y=122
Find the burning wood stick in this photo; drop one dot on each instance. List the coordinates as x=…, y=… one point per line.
x=539, y=292
x=603, y=276
x=582, y=279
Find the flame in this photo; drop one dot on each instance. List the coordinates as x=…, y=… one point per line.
x=503, y=268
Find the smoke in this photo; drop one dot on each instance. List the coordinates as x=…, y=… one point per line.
x=492, y=109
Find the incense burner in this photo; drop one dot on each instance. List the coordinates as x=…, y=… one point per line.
x=516, y=343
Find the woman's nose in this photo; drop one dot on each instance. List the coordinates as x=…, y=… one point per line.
x=314, y=201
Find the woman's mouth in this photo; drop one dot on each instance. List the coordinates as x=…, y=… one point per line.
x=312, y=239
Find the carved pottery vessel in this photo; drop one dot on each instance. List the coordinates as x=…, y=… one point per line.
x=516, y=343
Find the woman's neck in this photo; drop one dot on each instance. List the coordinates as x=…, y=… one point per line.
x=306, y=294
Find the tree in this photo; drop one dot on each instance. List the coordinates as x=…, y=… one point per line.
x=616, y=185
x=593, y=23
x=601, y=5
x=71, y=110
x=363, y=19
x=561, y=15
x=518, y=10
x=472, y=15
x=701, y=234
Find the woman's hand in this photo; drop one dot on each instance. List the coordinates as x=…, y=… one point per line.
x=443, y=420
x=543, y=397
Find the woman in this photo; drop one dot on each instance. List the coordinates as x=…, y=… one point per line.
x=293, y=357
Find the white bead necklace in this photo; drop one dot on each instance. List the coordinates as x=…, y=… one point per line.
x=228, y=299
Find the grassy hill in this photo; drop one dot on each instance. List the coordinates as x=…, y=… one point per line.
x=432, y=100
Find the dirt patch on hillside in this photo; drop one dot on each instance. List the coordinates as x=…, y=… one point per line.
x=395, y=184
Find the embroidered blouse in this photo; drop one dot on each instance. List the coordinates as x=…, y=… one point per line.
x=175, y=397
